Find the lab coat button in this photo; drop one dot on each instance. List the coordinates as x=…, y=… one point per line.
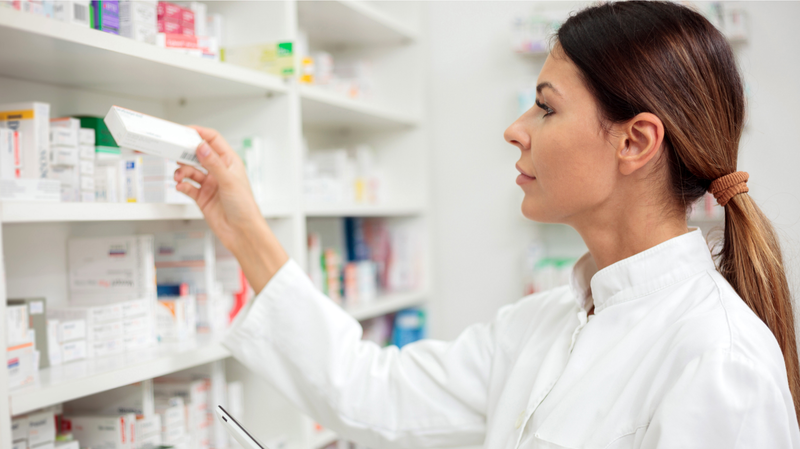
x=520, y=418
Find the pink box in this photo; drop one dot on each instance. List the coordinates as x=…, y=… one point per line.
x=167, y=10
x=187, y=17
x=176, y=41
x=169, y=26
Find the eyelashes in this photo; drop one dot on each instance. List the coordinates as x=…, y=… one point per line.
x=544, y=107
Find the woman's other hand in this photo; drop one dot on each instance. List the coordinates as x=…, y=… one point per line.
x=227, y=203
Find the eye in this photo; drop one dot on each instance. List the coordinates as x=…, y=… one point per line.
x=544, y=107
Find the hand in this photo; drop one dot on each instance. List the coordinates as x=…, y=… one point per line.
x=227, y=203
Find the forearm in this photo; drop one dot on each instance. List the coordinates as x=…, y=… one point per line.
x=259, y=253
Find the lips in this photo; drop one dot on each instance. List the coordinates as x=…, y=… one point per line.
x=524, y=173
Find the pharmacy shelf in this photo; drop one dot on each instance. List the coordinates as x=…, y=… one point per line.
x=386, y=304
x=77, y=379
x=350, y=23
x=39, y=211
x=49, y=51
x=362, y=210
x=323, y=109
x=323, y=439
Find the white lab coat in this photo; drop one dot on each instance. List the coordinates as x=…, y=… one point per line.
x=672, y=358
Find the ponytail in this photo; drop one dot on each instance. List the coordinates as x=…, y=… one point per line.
x=751, y=261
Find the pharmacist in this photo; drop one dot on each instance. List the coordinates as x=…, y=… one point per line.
x=650, y=346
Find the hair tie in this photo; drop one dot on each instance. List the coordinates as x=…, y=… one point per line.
x=726, y=187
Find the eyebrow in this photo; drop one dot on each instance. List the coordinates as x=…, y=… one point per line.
x=549, y=85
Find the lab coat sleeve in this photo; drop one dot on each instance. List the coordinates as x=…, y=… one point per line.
x=722, y=400
x=428, y=394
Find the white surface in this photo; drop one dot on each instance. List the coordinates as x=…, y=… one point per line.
x=55, y=52
x=323, y=439
x=357, y=23
x=82, y=378
x=386, y=304
x=33, y=212
x=363, y=210
x=323, y=109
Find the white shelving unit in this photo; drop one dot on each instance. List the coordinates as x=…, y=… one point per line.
x=82, y=71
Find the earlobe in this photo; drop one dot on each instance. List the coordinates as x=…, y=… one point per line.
x=642, y=138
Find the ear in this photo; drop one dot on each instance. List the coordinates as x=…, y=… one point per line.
x=641, y=138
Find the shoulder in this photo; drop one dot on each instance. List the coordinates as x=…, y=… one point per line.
x=539, y=313
x=717, y=327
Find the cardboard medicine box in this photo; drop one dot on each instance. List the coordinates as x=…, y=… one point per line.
x=153, y=135
x=32, y=120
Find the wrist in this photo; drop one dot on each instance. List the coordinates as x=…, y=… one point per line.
x=259, y=252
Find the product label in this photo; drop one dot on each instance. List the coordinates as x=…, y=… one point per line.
x=16, y=115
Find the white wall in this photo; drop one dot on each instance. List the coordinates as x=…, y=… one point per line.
x=479, y=234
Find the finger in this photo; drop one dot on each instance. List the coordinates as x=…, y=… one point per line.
x=217, y=142
x=212, y=162
x=188, y=190
x=187, y=171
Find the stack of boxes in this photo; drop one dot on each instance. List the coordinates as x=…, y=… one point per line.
x=98, y=331
x=188, y=29
x=185, y=29
x=21, y=356
x=148, y=432
x=75, y=174
x=137, y=20
x=173, y=422
x=195, y=398
x=28, y=126
x=189, y=258
x=38, y=431
x=112, y=290
x=111, y=432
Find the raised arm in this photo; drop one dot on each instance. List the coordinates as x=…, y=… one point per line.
x=429, y=394
x=227, y=203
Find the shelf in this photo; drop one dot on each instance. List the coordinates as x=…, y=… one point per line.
x=77, y=379
x=386, y=304
x=328, y=110
x=323, y=439
x=40, y=212
x=361, y=210
x=64, y=54
x=350, y=23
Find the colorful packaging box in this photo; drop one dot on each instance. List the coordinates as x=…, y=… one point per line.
x=105, y=15
x=32, y=120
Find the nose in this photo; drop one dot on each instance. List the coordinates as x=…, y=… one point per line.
x=517, y=135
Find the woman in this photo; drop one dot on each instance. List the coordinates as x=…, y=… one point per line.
x=639, y=112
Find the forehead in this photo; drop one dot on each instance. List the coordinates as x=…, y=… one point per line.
x=559, y=71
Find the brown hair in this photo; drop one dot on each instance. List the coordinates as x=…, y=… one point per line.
x=666, y=59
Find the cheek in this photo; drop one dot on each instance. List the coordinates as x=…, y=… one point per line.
x=572, y=164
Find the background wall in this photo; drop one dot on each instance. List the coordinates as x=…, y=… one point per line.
x=479, y=234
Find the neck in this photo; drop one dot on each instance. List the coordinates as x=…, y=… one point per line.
x=621, y=235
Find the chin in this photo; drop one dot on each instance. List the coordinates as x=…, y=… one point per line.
x=535, y=211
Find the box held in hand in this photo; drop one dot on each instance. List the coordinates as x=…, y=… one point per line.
x=153, y=135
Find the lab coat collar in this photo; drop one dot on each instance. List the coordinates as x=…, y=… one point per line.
x=641, y=274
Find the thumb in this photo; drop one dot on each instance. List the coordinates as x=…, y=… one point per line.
x=211, y=161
